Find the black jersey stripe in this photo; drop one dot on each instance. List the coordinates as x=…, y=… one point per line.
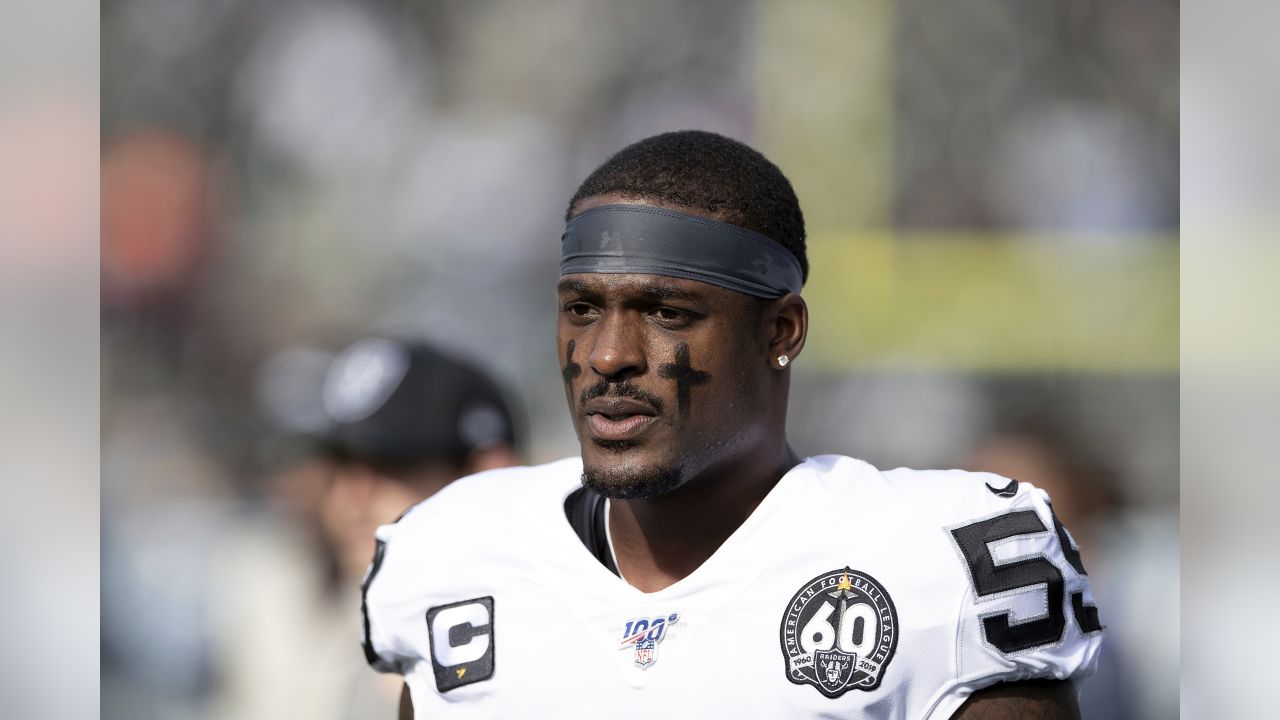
x=370, y=655
x=585, y=510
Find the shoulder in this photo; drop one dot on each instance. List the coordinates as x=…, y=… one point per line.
x=986, y=582
x=478, y=500
x=938, y=496
x=450, y=542
x=474, y=519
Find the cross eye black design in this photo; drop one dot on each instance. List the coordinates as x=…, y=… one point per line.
x=685, y=376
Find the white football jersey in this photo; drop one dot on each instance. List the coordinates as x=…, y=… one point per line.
x=849, y=592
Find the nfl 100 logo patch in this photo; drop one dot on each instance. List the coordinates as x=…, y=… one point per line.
x=642, y=636
x=839, y=633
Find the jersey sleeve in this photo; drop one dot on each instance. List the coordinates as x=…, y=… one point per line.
x=1028, y=611
x=388, y=605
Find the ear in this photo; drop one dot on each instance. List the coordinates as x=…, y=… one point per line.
x=786, y=325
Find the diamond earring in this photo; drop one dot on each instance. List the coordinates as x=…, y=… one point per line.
x=783, y=360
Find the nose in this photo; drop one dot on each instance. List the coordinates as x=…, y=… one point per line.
x=618, y=352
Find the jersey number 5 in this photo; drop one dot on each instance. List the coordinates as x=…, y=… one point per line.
x=975, y=540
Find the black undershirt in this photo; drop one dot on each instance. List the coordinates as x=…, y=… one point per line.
x=585, y=510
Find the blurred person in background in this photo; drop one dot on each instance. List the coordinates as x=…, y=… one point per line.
x=404, y=420
x=1132, y=561
x=408, y=420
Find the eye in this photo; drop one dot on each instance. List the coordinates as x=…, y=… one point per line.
x=673, y=318
x=578, y=310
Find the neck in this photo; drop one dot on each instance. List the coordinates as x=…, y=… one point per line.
x=659, y=541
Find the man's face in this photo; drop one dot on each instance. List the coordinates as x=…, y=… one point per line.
x=663, y=378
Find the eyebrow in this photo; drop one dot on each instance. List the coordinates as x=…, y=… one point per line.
x=666, y=292
x=574, y=286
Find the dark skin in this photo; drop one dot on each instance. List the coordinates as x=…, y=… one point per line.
x=705, y=397
x=1026, y=700
x=687, y=346
x=709, y=356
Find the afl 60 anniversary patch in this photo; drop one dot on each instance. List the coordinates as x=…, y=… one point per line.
x=839, y=633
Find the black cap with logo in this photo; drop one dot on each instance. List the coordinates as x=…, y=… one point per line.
x=398, y=402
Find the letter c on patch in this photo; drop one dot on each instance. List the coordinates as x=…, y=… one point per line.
x=463, y=624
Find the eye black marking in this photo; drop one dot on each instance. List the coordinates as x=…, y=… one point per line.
x=571, y=369
x=684, y=375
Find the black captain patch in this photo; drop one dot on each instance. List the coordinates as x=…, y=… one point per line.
x=461, y=642
x=839, y=633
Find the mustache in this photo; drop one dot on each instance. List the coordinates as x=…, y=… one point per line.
x=622, y=389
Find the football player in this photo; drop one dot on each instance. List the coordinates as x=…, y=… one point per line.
x=689, y=563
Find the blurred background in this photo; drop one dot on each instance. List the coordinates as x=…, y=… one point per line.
x=991, y=192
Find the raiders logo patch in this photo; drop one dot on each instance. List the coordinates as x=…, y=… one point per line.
x=839, y=633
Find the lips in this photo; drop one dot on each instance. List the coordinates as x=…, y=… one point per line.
x=618, y=418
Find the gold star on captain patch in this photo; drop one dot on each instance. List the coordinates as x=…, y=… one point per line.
x=844, y=583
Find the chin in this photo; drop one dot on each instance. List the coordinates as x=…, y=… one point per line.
x=631, y=482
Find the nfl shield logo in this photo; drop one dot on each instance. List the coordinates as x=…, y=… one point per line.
x=642, y=636
x=645, y=652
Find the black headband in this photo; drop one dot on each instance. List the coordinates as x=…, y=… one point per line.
x=657, y=241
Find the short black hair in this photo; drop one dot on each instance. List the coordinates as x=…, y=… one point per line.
x=709, y=172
